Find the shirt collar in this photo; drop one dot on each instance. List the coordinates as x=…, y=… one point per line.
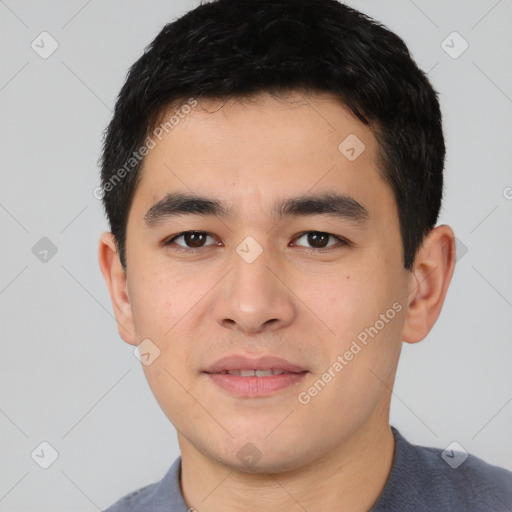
x=168, y=496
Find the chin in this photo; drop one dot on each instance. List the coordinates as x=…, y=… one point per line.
x=260, y=457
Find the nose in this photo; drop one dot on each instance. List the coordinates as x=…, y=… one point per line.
x=254, y=297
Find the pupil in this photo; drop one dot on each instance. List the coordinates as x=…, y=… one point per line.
x=194, y=239
x=317, y=239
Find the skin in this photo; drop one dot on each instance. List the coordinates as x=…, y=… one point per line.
x=336, y=451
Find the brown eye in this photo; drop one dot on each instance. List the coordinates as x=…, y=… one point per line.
x=191, y=240
x=319, y=240
x=194, y=239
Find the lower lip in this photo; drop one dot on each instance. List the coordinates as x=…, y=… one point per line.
x=255, y=386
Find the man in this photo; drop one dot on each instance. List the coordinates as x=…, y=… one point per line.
x=273, y=176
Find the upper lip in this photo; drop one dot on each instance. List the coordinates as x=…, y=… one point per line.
x=238, y=362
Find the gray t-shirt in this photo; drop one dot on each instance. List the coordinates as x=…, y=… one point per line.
x=420, y=481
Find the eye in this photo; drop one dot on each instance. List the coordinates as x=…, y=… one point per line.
x=319, y=240
x=190, y=240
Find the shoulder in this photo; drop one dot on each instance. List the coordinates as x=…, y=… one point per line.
x=424, y=478
x=141, y=499
x=474, y=483
x=164, y=495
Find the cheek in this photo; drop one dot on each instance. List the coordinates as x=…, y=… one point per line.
x=347, y=303
x=365, y=315
x=168, y=310
x=159, y=300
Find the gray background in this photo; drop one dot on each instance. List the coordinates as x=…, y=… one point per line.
x=66, y=376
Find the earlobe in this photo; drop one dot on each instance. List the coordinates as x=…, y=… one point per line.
x=115, y=278
x=431, y=276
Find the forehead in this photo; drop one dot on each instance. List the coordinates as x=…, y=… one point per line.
x=254, y=150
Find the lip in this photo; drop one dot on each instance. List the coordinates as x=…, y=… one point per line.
x=254, y=387
x=236, y=362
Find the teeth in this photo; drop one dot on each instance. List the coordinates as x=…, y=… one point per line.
x=255, y=373
x=263, y=373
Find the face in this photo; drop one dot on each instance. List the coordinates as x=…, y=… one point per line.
x=295, y=268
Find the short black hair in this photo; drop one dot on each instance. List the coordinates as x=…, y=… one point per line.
x=238, y=48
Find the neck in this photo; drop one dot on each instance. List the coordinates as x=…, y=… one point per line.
x=348, y=478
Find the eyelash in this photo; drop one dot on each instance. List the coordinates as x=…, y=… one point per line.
x=313, y=250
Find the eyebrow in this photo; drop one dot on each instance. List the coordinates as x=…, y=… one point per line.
x=336, y=205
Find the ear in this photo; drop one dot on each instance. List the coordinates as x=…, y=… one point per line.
x=115, y=277
x=431, y=275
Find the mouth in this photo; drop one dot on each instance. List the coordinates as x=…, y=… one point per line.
x=253, y=373
x=250, y=378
